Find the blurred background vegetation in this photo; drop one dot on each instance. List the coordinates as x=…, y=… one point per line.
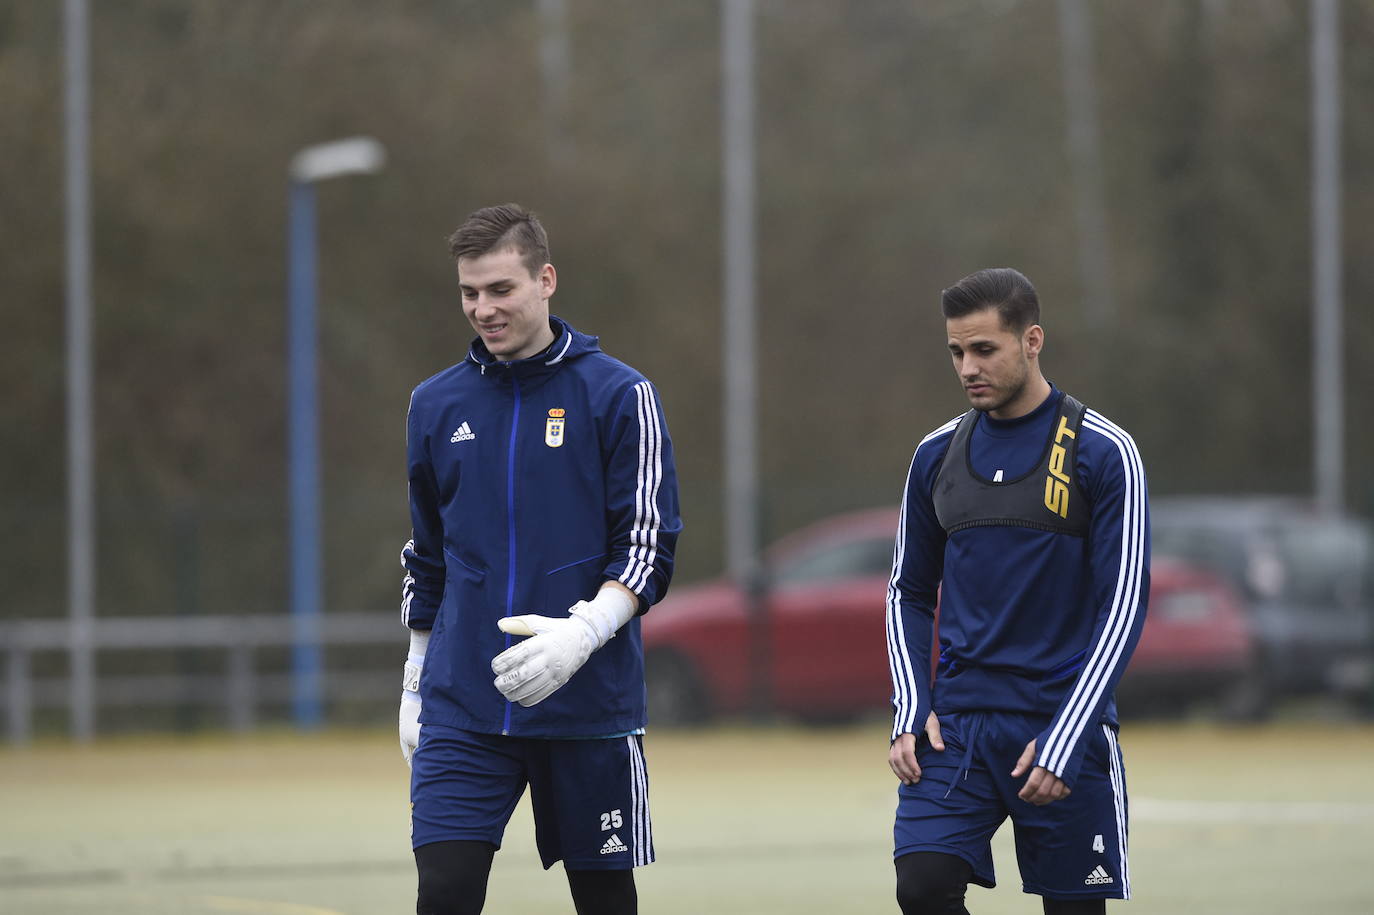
x=901, y=146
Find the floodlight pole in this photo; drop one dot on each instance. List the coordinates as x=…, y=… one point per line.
x=555, y=66
x=1085, y=159
x=354, y=156
x=80, y=446
x=740, y=354
x=1328, y=406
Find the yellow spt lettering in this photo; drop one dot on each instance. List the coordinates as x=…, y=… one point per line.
x=1057, y=497
x=1057, y=455
x=1056, y=484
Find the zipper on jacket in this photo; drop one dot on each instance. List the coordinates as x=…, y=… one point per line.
x=510, y=524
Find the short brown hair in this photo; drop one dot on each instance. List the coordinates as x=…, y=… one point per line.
x=492, y=228
x=1002, y=288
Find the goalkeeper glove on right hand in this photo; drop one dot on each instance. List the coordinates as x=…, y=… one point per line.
x=410, y=694
x=529, y=672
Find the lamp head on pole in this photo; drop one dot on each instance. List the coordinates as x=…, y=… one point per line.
x=351, y=156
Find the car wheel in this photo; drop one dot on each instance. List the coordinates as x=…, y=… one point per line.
x=674, y=688
x=1249, y=699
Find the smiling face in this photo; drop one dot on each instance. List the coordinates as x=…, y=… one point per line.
x=998, y=366
x=506, y=304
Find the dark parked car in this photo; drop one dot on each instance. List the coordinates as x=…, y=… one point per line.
x=1307, y=581
x=826, y=632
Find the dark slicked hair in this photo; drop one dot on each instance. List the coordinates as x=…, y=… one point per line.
x=509, y=226
x=1002, y=288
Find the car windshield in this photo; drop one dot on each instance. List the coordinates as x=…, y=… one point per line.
x=1321, y=563
x=1324, y=563
x=833, y=561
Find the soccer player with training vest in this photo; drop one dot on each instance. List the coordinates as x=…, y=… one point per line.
x=544, y=512
x=1026, y=520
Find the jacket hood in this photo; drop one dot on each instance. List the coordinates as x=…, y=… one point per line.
x=568, y=344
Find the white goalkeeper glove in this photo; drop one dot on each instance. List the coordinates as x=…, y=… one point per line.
x=410, y=693
x=529, y=672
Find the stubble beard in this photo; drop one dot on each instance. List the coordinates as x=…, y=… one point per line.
x=1008, y=395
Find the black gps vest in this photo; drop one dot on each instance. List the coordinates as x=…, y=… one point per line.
x=1048, y=498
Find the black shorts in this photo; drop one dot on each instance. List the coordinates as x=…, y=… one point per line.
x=590, y=797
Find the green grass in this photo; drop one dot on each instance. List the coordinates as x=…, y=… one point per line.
x=1256, y=821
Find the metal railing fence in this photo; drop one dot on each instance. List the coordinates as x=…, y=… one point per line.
x=241, y=687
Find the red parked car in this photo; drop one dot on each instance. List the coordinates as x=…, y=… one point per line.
x=827, y=640
x=1198, y=646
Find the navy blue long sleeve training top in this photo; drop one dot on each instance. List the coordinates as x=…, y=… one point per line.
x=1030, y=620
x=532, y=482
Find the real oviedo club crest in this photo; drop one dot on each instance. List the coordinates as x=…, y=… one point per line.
x=553, y=428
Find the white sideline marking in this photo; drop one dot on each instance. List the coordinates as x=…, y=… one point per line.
x=263, y=906
x=1166, y=811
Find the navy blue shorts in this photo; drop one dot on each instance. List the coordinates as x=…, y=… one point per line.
x=590, y=797
x=1074, y=848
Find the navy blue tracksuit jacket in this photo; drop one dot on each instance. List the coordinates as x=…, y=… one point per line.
x=531, y=483
x=1030, y=621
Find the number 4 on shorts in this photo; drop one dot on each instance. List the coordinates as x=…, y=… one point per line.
x=1098, y=845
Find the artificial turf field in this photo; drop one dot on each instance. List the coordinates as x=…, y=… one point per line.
x=1275, y=819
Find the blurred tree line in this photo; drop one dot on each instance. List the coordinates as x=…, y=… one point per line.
x=901, y=145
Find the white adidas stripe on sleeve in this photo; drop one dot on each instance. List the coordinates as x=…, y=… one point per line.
x=1106, y=654
x=644, y=534
x=906, y=688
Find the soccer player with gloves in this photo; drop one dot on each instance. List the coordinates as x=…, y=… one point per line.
x=544, y=513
